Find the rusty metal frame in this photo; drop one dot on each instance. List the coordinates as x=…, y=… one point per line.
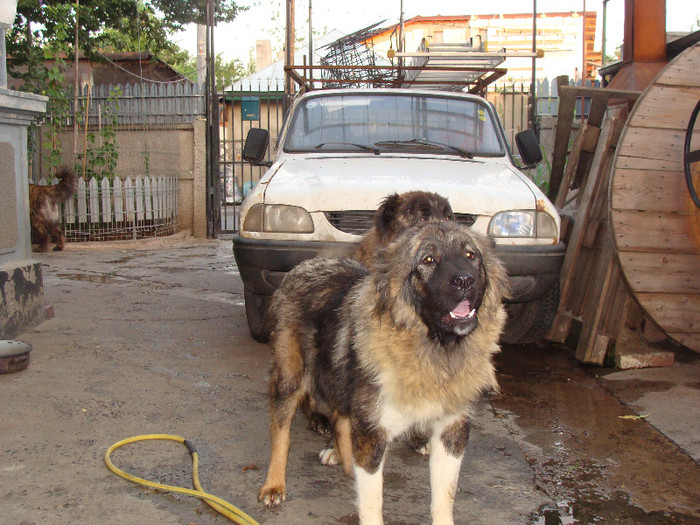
x=302, y=75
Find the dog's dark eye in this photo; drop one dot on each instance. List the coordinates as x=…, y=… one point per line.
x=470, y=255
x=428, y=259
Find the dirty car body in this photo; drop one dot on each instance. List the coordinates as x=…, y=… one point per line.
x=342, y=151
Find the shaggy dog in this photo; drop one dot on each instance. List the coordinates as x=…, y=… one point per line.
x=396, y=213
x=43, y=208
x=403, y=346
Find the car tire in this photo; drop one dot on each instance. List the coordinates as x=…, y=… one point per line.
x=256, y=306
x=529, y=322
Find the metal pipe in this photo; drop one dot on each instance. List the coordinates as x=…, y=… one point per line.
x=533, y=94
x=3, y=59
x=474, y=54
x=604, y=40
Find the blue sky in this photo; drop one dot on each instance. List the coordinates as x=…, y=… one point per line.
x=236, y=39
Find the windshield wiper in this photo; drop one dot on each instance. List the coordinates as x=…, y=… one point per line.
x=363, y=147
x=424, y=142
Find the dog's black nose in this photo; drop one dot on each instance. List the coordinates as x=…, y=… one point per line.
x=462, y=282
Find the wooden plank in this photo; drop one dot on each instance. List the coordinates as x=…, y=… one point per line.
x=129, y=207
x=571, y=164
x=645, y=143
x=80, y=197
x=691, y=341
x=642, y=189
x=682, y=71
x=106, y=194
x=652, y=231
x=138, y=197
x=662, y=272
x=148, y=198
x=567, y=104
x=627, y=162
x=118, y=197
x=675, y=313
x=667, y=107
x=561, y=326
x=604, y=93
x=592, y=189
x=602, y=290
x=94, y=200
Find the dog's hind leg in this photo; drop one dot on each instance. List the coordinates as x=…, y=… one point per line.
x=60, y=239
x=342, y=450
x=286, y=393
x=44, y=241
x=446, y=451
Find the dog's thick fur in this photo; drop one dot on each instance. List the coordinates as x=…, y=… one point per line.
x=43, y=208
x=405, y=345
x=397, y=212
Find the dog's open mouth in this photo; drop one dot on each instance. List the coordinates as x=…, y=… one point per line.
x=463, y=311
x=462, y=319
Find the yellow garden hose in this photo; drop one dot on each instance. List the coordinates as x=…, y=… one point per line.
x=221, y=506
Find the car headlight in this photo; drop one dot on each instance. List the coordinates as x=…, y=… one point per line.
x=278, y=218
x=523, y=223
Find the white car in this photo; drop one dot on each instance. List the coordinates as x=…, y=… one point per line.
x=342, y=151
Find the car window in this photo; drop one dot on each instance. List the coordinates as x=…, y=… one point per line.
x=394, y=122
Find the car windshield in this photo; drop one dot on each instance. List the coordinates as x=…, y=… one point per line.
x=379, y=123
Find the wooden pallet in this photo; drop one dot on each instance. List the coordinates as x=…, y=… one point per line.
x=593, y=290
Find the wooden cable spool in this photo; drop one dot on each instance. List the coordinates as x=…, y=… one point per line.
x=655, y=223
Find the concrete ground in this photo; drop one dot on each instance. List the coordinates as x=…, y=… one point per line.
x=151, y=337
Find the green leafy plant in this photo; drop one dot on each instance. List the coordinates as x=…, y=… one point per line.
x=101, y=148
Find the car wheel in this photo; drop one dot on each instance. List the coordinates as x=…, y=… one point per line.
x=529, y=322
x=256, y=306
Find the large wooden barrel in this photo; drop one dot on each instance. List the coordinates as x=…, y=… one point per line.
x=655, y=223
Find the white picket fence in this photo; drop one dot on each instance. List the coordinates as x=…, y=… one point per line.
x=129, y=209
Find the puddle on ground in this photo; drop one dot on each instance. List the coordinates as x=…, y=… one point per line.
x=121, y=260
x=598, y=465
x=90, y=278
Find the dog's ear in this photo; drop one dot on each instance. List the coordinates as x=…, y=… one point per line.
x=385, y=217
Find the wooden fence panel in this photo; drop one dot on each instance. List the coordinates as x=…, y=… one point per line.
x=148, y=198
x=94, y=201
x=106, y=200
x=138, y=194
x=130, y=207
x=118, y=195
x=81, y=202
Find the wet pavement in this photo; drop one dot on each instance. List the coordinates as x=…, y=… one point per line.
x=151, y=337
x=596, y=458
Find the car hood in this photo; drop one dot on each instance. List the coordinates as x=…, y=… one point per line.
x=480, y=186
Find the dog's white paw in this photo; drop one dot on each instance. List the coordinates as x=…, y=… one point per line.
x=424, y=450
x=328, y=456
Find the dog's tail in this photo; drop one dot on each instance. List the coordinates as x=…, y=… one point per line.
x=68, y=184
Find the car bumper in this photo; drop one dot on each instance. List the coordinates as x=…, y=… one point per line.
x=262, y=264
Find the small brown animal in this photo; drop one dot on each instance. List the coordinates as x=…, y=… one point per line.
x=43, y=208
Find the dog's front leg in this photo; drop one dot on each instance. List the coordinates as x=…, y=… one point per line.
x=368, y=453
x=447, y=446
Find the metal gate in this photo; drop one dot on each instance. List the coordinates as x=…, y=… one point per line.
x=254, y=104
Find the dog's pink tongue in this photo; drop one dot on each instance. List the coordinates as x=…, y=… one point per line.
x=462, y=309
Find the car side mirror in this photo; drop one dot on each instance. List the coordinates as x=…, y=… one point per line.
x=529, y=147
x=256, y=146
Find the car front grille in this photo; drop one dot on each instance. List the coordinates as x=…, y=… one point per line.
x=358, y=222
